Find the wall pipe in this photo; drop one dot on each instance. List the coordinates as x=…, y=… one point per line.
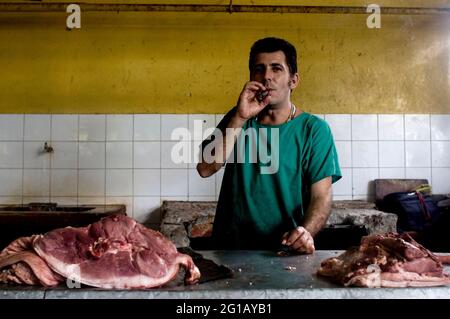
x=86, y=7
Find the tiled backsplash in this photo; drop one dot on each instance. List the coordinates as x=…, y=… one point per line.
x=106, y=159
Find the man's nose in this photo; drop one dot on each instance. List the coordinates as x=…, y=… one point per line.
x=268, y=75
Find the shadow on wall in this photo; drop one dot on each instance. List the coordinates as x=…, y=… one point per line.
x=151, y=221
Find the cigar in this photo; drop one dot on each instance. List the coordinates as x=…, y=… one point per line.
x=261, y=95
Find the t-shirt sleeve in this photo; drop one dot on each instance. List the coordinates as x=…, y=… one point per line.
x=323, y=159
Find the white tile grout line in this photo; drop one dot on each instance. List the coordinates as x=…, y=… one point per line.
x=78, y=159
x=132, y=166
x=378, y=146
x=351, y=153
x=50, y=162
x=160, y=161
x=431, y=151
x=187, y=165
x=23, y=159
x=78, y=150
x=104, y=169
x=404, y=146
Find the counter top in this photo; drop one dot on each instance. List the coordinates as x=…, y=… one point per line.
x=257, y=275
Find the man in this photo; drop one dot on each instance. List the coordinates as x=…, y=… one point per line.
x=290, y=205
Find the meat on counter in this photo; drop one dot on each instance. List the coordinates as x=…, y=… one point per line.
x=115, y=252
x=386, y=260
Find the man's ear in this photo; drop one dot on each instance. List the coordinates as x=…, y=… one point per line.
x=294, y=81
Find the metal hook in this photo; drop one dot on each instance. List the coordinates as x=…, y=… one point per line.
x=48, y=148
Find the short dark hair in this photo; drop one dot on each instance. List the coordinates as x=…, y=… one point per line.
x=272, y=44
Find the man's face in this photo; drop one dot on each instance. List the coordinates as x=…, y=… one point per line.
x=272, y=71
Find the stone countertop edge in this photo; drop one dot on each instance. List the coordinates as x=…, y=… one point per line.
x=257, y=275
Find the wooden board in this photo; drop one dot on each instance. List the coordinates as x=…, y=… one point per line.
x=392, y=185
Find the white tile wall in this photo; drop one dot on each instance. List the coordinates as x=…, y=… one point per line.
x=419, y=173
x=363, y=180
x=199, y=186
x=91, y=200
x=147, y=155
x=344, y=149
x=344, y=185
x=64, y=128
x=440, y=154
x=440, y=127
x=174, y=182
x=127, y=158
x=91, y=182
x=11, y=182
x=11, y=154
x=11, y=127
x=169, y=123
x=392, y=172
x=364, y=127
x=417, y=127
x=418, y=153
x=119, y=182
x=392, y=153
x=37, y=127
x=441, y=178
x=341, y=126
x=119, y=127
x=119, y=154
x=64, y=182
x=390, y=127
x=147, y=127
x=36, y=182
x=147, y=209
x=365, y=154
x=91, y=155
x=92, y=128
x=34, y=156
x=124, y=200
x=65, y=155
x=147, y=182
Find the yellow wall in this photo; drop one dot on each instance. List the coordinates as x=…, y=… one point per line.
x=197, y=62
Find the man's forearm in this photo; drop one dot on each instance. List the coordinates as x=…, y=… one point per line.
x=317, y=214
x=221, y=150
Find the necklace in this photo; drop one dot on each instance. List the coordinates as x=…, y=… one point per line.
x=292, y=112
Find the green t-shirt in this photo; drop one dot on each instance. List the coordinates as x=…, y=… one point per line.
x=264, y=195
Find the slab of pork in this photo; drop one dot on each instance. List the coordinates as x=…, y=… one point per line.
x=386, y=260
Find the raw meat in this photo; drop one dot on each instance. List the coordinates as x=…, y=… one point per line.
x=115, y=252
x=25, y=266
x=387, y=260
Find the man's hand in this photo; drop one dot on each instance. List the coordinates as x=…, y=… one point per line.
x=299, y=240
x=248, y=105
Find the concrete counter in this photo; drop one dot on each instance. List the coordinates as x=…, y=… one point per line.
x=257, y=275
